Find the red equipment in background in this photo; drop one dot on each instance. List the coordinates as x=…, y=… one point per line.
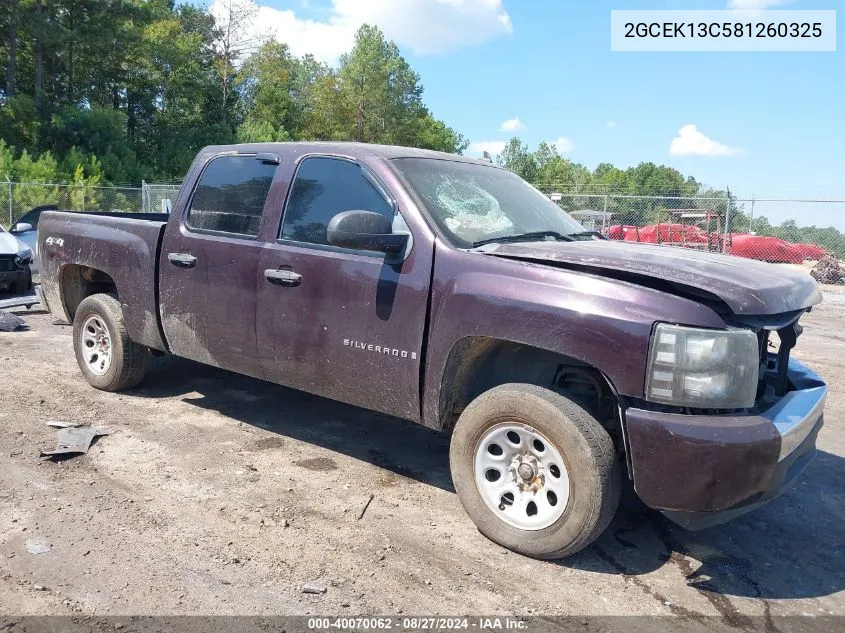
x=767, y=249
x=763, y=248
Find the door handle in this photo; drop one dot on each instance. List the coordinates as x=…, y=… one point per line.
x=182, y=260
x=282, y=277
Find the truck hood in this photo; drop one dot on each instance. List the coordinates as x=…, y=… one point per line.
x=746, y=286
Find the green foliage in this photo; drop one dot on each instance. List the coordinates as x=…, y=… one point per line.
x=516, y=157
x=643, y=194
x=436, y=135
x=383, y=91
x=267, y=87
x=131, y=89
x=116, y=91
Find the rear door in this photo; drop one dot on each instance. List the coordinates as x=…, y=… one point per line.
x=209, y=264
x=337, y=322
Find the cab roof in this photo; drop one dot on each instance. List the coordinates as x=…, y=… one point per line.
x=351, y=149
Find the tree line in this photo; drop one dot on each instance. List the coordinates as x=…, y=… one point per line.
x=648, y=194
x=131, y=89
x=115, y=91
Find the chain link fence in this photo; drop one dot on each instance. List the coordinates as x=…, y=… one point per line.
x=158, y=198
x=17, y=198
x=788, y=231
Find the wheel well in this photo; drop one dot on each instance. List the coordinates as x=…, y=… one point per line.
x=78, y=282
x=477, y=364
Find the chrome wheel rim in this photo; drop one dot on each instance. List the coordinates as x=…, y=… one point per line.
x=96, y=345
x=521, y=476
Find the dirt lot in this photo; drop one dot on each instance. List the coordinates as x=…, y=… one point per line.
x=219, y=494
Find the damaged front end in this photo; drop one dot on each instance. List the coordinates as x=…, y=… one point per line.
x=704, y=466
x=15, y=275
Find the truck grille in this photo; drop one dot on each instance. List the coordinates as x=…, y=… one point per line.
x=7, y=263
x=775, y=350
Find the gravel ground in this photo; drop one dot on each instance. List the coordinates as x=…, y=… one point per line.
x=220, y=494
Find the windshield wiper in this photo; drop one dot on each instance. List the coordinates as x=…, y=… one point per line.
x=587, y=234
x=524, y=237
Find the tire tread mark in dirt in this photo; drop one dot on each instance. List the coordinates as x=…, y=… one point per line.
x=631, y=577
x=708, y=588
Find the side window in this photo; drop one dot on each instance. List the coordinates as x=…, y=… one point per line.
x=230, y=195
x=323, y=188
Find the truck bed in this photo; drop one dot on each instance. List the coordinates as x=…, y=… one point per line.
x=123, y=246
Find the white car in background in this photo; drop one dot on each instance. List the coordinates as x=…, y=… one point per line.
x=26, y=230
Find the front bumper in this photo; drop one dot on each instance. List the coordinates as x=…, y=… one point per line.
x=701, y=470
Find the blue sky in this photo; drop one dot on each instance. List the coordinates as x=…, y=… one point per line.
x=777, y=119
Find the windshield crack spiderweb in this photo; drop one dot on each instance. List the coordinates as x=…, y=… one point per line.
x=470, y=208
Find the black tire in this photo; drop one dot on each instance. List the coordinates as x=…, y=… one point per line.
x=128, y=359
x=586, y=448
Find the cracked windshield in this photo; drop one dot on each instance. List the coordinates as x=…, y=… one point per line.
x=474, y=204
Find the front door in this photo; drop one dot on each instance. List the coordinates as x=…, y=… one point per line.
x=209, y=265
x=336, y=322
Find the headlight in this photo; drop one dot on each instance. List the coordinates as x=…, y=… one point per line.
x=23, y=258
x=691, y=367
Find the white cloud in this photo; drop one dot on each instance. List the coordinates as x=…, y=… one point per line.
x=754, y=5
x=491, y=147
x=511, y=125
x=423, y=26
x=691, y=142
x=610, y=124
x=563, y=145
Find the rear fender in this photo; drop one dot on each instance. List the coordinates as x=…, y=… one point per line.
x=80, y=252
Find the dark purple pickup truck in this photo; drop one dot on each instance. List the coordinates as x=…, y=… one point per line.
x=449, y=292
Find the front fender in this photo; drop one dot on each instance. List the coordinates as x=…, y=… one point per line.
x=602, y=322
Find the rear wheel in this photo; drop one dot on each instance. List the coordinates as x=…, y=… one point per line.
x=534, y=471
x=108, y=358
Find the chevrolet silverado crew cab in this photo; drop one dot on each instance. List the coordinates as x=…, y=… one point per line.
x=450, y=292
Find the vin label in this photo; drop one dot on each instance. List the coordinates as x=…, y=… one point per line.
x=714, y=31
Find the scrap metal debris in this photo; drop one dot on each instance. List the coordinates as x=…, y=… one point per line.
x=10, y=322
x=23, y=301
x=73, y=438
x=829, y=270
x=59, y=424
x=311, y=587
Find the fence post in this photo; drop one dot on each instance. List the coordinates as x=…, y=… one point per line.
x=83, y=197
x=751, y=221
x=727, y=223
x=9, y=183
x=604, y=219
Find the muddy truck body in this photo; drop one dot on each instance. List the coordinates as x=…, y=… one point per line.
x=447, y=291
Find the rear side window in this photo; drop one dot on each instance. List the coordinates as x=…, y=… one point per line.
x=324, y=187
x=230, y=195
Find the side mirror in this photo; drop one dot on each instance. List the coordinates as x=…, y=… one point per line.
x=365, y=231
x=21, y=227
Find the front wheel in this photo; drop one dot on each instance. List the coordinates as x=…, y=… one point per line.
x=108, y=358
x=534, y=471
